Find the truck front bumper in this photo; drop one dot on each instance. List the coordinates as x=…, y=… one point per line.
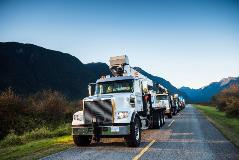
x=103, y=130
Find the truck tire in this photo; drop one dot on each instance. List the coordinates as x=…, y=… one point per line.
x=82, y=140
x=174, y=111
x=163, y=117
x=134, y=139
x=156, y=120
x=170, y=114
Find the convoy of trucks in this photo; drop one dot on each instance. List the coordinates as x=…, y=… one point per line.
x=122, y=106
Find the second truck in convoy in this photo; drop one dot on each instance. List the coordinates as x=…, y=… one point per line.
x=164, y=101
x=121, y=106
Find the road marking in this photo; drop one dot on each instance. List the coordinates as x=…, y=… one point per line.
x=184, y=134
x=143, y=150
x=170, y=123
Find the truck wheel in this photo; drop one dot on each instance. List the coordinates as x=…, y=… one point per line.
x=179, y=109
x=156, y=120
x=161, y=118
x=163, y=115
x=82, y=140
x=174, y=111
x=170, y=115
x=134, y=139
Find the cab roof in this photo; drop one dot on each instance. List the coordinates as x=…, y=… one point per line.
x=120, y=78
x=161, y=94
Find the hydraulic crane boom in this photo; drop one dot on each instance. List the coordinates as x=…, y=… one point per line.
x=119, y=66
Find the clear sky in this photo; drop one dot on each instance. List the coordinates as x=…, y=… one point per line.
x=190, y=43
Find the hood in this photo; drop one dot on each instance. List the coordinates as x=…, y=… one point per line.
x=121, y=99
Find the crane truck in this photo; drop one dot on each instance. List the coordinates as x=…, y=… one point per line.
x=121, y=106
x=181, y=102
x=164, y=101
x=175, y=103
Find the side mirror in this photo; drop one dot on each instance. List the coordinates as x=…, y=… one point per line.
x=91, y=87
x=145, y=86
x=89, y=90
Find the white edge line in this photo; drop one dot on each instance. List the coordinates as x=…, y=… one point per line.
x=170, y=123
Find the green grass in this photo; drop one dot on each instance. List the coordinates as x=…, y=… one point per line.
x=228, y=126
x=37, y=143
x=36, y=149
x=36, y=134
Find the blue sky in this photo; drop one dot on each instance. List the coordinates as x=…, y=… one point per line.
x=190, y=43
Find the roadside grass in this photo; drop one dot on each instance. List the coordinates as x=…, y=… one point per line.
x=36, y=149
x=228, y=126
x=37, y=143
x=36, y=134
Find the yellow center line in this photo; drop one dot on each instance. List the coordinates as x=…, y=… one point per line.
x=143, y=150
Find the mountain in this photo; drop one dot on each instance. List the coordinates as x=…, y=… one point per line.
x=29, y=68
x=205, y=94
x=99, y=69
x=163, y=82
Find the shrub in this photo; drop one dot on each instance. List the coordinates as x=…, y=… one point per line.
x=12, y=107
x=11, y=139
x=36, y=114
x=62, y=130
x=232, y=108
x=50, y=106
x=228, y=100
x=221, y=106
x=38, y=133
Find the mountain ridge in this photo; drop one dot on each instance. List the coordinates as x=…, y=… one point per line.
x=162, y=81
x=205, y=94
x=29, y=68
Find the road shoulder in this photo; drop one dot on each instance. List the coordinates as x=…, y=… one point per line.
x=227, y=126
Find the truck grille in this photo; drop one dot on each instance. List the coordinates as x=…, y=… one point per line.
x=101, y=110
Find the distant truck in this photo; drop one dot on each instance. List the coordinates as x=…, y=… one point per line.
x=163, y=100
x=121, y=106
x=175, y=103
x=181, y=103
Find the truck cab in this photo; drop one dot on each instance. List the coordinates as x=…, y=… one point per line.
x=120, y=106
x=163, y=100
x=181, y=103
x=175, y=104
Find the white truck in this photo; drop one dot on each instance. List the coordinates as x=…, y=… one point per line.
x=164, y=101
x=175, y=104
x=121, y=106
x=181, y=102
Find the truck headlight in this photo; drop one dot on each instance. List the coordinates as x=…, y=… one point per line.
x=121, y=115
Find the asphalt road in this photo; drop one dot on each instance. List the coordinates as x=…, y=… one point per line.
x=186, y=136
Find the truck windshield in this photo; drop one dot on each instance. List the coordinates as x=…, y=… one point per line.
x=114, y=87
x=161, y=97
